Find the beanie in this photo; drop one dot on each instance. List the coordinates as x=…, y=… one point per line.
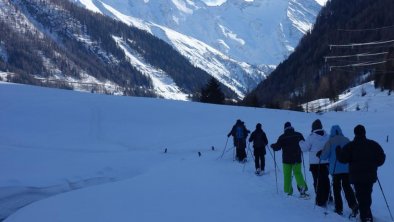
x=258, y=126
x=287, y=124
x=359, y=130
x=316, y=125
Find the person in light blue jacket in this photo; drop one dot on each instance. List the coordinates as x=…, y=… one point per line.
x=339, y=171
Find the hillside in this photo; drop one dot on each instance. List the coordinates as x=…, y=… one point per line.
x=71, y=156
x=348, y=45
x=59, y=44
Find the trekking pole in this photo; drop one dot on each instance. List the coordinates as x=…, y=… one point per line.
x=303, y=165
x=273, y=158
x=243, y=168
x=380, y=185
x=276, y=176
x=234, y=152
x=225, y=146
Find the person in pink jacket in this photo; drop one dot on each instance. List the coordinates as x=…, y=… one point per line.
x=319, y=168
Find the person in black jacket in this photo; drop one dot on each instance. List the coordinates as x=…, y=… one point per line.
x=259, y=140
x=364, y=157
x=239, y=133
x=291, y=158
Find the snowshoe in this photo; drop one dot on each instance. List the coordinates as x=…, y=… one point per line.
x=304, y=196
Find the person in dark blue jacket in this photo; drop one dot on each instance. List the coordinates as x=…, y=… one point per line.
x=239, y=133
x=364, y=157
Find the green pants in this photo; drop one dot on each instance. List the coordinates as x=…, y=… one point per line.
x=288, y=170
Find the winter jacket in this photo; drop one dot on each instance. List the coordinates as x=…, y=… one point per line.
x=336, y=139
x=259, y=140
x=288, y=142
x=233, y=132
x=364, y=157
x=314, y=143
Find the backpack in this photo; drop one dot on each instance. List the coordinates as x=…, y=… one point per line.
x=239, y=132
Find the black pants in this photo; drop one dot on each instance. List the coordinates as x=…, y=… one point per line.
x=363, y=195
x=342, y=181
x=240, y=146
x=259, y=159
x=321, y=183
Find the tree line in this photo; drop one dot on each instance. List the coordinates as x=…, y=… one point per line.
x=307, y=75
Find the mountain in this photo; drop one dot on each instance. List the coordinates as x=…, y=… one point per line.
x=350, y=43
x=57, y=43
x=238, y=42
x=70, y=156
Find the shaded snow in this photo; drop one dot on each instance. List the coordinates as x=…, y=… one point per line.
x=113, y=147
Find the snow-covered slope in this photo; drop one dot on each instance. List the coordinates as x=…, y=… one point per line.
x=57, y=142
x=257, y=32
x=238, y=42
x=364, y=97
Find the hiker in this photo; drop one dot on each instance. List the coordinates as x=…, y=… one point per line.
x=291, y=158
x=339, y=171
x=239, y=133
x=364, y=157
x=259, y=140
x=319, y=168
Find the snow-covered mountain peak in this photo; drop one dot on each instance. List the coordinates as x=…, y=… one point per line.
x=257, y=32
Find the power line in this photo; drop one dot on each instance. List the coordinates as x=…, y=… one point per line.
x=359, y=64
x=355, y=55
x=366, y=29
x=362, y=44
x=358, y=71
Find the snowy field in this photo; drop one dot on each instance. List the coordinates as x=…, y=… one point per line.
x=71, y=156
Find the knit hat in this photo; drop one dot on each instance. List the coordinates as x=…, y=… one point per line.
x=316, y=125
x=258, y=126
x=287, y=125
x=359, y=130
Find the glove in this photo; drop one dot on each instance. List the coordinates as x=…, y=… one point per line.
x=318, y=154
x=272, y=146
x=228, y=135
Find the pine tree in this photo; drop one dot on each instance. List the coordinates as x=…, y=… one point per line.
x=212, y=93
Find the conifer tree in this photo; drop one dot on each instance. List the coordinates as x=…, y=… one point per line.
x=212, y=93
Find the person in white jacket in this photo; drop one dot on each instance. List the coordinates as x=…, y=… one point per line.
x=319, y=168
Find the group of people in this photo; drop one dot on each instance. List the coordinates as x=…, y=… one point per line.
x=349, y=162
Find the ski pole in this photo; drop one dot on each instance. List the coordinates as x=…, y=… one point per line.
x=276, y=176
x=273, y=158
x=243, y=168
x=303, y=165
x=380, y=185
x=225, y=146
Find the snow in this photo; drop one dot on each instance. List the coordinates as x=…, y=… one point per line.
x=221, y=36
x=163, y=84
x=363, y=98
x=72, y=156
x=238, y=76
x=252, y=28
x=321, y=2
x=90, y=5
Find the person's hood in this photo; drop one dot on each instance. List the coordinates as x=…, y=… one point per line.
x=336, y=131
